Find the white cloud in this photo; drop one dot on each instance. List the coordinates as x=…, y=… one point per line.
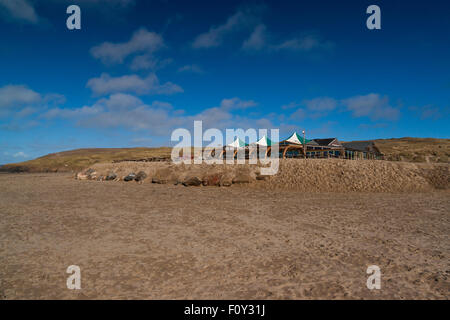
x=191, y=68
x=20, y=10
x=141, y=41
x=372, y=105
x=261, y=40
x=304, y=43
x=222, y=117
x=159, y=118
x=20, y=154
x=313, y=108
x=143, y=62
x=17, y=95
x=290, y=105
x=19, y=125
x=236, y=103
x=244, y=17
x=106, y=84
x=18, y=104
x=429, y=112
x=257, y=39
x=122, y=110
x=148, y=62
x=72, y=113
x=321, y=104
x=298, y=114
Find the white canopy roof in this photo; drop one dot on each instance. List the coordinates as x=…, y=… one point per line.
x=294, y=138
x=238, y=143
x=264, y=141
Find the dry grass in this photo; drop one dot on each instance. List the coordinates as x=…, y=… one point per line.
x=415, y=149
x=78, y=159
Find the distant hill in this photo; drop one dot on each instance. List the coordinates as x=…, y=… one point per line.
x=403, y=149
x=415, y=149
x=78, y=159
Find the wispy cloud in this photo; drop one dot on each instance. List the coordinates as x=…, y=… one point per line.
x=260, y=40
x=121, y=110
x=159, y=118
x=20, y=154
x=257, y=39
x=373, y=106
x=321, y=104
x=304, y=43
x=148, y=62
x=236, y=104
x=428, y=112
x=17, y=95
x=141, y=41
x=19, y=10
x=193, y=68
x=19, y=101
x=107, y=84
x=243, y=18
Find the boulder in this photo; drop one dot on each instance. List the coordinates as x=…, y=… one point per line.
x=81, y=176
x=111, y=176
x=93, y=176
x=141, y=175
x=212, y=179
x=130, y=177
x=261, y=177
x=166, y=175
x=89, y=171
x=243, y=177
x=88, y=174
x=226, y=180
x=192, y=181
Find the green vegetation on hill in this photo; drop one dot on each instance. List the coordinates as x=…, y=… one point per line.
x=403, y=149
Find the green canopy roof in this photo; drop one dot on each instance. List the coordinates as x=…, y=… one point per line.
x=295, y=138
x=238, y=143
x=264, y=141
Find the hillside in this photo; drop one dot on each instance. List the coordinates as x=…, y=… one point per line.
x=403, y=149
x=78, y=159
x=415, y=149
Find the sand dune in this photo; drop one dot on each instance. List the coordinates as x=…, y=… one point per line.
x=311, y=175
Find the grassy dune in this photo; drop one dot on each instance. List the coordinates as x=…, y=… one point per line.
x=415, y=149
x=78, y=159
x=403, y=149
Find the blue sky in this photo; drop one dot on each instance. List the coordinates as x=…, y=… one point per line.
x=139, y=69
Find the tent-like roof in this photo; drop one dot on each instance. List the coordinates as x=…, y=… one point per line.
x=238, y=143
x=264, y=141
x=295, y=138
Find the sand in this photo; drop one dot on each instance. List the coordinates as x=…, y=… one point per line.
x=311, y=175
x=151, y=241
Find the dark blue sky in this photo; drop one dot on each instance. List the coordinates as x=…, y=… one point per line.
x=138, y=69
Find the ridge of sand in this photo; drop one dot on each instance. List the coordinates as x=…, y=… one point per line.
x=311, y=175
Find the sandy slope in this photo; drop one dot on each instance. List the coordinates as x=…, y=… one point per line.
x=155, y=241
x=313, y=175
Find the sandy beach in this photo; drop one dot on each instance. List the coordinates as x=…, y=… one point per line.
x=152, y=241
